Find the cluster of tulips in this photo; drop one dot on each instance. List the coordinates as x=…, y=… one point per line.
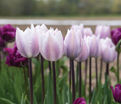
x=79, y=44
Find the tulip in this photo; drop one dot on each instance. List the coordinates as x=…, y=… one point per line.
x=28, y=46
x=107, y=53
x=103, y=31
x=79, y=101
x=52, y=46
x=88, y=32
x=117, y=93
x=72, y=43
x=107, y=50
x=72, y=48
x=14, y=58
x=116, y=35
x=82, y=57
x=52, y=49
x=8, y=33
x=27, y=42
x=84, y=51
x=93, y=42
x=78, y=27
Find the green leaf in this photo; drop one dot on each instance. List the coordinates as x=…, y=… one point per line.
x=7, y=101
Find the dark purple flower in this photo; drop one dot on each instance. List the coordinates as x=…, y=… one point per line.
x=14, y=58
x=116, y=35
x=80, y=101
x=2, y=43
x=117, y=93
x=8, y=33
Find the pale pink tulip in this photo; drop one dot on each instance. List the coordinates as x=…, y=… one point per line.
x=88, y=31
x=27, y=42
x=84, y=51
x=103, y=31
x=72, y=43
x=107, y=50
x=93, y=42
x=52, y=45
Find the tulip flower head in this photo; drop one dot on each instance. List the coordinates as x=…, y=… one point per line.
x=84, y=51
x=93, y=43
x=78, y=27
x=52, y=45
x=14, y=58
x=103, y=31
x=72, y=43
x=107, y=50
x=8, y=33
x=116, y=35
x=27, y=42
x=41, y=28
x=79, y=101
x=117, y=93
x=88, y=32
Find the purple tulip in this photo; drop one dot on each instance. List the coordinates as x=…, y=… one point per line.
x=84, y=51
x=72, y=42
x=8, y=33
x=107, y=50
x=27, y=42
x=52, y=45
x=117, y=93
x=80, y=101
x=102, y=31
x=116, y=35
x=93, y=42
x=14, y=58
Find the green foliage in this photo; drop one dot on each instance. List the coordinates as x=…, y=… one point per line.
x=14, y=86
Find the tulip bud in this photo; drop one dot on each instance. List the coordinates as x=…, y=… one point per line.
x=117, y=93
x=107, y=50
x=116, y=35
x=79, y=101
x=103, y=31
x=84, y=51
x=93, y=42
x=72, y=43
x=27, y=42
x=88, y=32
x=52, y=46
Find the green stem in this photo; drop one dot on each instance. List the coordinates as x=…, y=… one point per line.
x=54, y=82
x=30, y=79
x=73, y=79
x=96, y=70
x=80, y=78
x=90, y=79
x=101, y=68
x=42, y=76
x=118, y=73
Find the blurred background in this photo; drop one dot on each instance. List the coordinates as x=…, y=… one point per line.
x=37, y=8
